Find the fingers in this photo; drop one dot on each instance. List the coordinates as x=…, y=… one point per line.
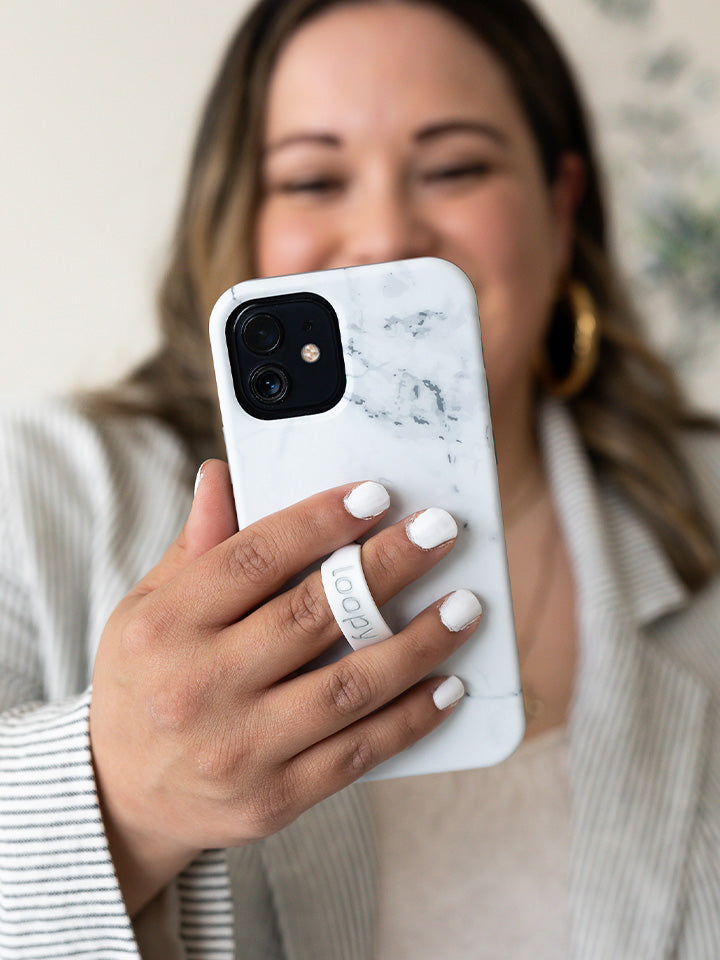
x=297, y=626
x=212, y=518
x=358, y=745
x=316, y=705
x=340, y=760
x=243, y=571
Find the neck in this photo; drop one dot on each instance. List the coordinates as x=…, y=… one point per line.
x=520, y=468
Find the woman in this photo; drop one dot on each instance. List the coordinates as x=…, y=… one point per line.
x=342, y=133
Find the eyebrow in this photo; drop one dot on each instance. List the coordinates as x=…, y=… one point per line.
x=323, y=139
x=430, y=132
x=461, y=126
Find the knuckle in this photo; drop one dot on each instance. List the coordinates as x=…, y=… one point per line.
x=387, y=558
x=347, y=690
x=313, y=526
x=307, y=608
x=181, y=700
x=270, y=809
x=422, y=646
x=252, y=557
x=408, y=727
x=145, y=633
x=361, y=755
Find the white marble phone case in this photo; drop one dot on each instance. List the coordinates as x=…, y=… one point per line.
x=414, y=416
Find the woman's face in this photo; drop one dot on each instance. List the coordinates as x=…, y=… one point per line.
x=392, y=132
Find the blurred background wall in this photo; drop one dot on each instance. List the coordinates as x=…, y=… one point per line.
x=98, y=107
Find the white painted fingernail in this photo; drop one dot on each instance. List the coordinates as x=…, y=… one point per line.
x=459, y=610
x=367, y=500
x=199, y=476
x=431, y=528
x=448, y=693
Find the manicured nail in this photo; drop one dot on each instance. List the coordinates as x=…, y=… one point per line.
x=459, y=610
x=431, y=528
x=199, y=476
x=448, y=693
x=367, y=500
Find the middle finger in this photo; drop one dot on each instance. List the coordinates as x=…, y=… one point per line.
x=296, y=627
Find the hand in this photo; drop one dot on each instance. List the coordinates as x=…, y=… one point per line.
x=203, y=733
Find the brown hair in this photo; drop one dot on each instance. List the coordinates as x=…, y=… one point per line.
x=630, y=414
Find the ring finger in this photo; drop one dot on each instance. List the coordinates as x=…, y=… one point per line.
x=318, y=704
x=294, y=628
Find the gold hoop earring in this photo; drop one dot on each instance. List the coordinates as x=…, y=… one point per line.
x=576, y=317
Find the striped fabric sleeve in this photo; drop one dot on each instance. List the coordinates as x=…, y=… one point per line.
x=59, y=896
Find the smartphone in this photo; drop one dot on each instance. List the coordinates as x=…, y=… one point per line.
x=376, y=372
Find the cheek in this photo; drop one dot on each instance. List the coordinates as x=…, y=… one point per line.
x=508, y=253
x=286, y=243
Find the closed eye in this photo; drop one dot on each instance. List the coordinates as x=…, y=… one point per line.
x=461, y=171
x=310, y=186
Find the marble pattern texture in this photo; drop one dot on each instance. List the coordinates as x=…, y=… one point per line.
x=415, y=417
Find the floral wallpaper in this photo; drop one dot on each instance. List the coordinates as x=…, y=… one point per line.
x=651, y=70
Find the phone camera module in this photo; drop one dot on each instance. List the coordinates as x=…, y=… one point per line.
x=269, y=384
x=262, y=333
x=286, y=355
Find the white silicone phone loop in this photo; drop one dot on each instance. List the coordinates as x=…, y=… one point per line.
x=350, y=599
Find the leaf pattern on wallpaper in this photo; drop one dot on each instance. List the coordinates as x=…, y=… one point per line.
x=667, y=178
x=625, y=9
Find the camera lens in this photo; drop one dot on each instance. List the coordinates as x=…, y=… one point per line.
x=262, y=333
x=269, y=384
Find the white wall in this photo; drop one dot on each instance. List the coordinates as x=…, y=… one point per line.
x=98, y=109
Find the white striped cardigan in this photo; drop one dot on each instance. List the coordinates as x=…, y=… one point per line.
x=85, y=512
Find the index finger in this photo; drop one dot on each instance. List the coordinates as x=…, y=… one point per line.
x=236, y=576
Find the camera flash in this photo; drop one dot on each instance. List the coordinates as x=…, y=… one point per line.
x=310, y=353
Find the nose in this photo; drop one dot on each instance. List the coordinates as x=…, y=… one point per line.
x=387, y=225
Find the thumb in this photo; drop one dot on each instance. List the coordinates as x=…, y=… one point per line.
x=212, y=519
x=212, y=516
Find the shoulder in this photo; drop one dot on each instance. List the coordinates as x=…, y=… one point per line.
x=692, y=635
x=59, y=429
x=702, y=451
x=55, y=442
x=61, y=471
